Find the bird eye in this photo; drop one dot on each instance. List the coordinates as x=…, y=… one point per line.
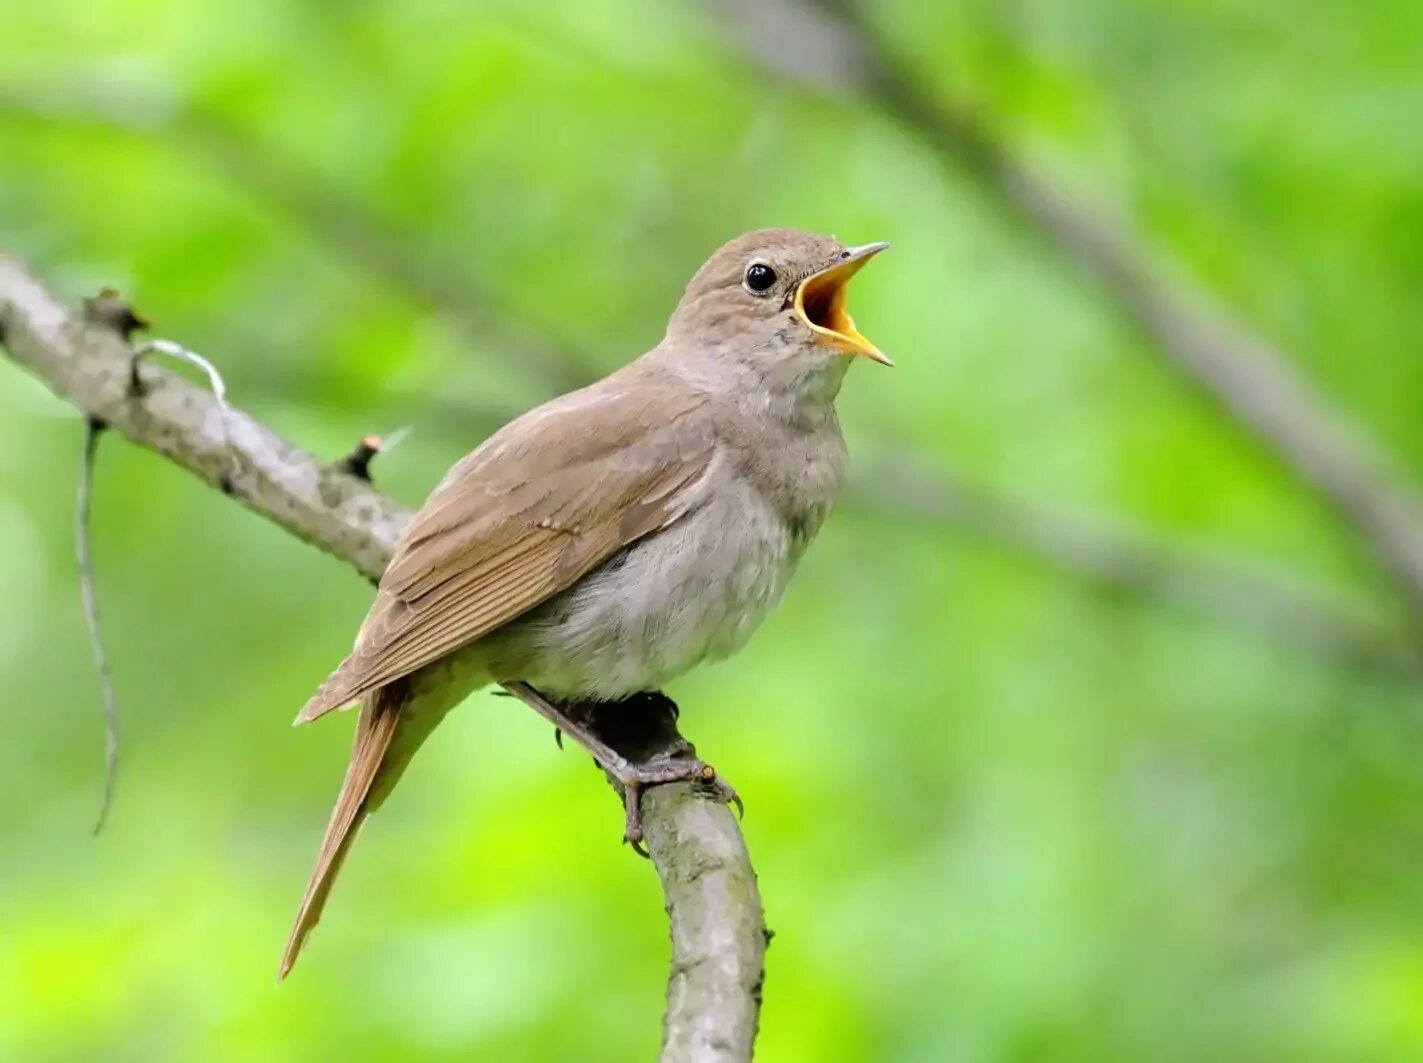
x=760, y=277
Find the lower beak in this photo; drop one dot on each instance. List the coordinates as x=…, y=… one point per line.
x=820, y=302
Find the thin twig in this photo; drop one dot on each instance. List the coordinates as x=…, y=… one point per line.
x=358, y=462
x=1117, y=555
x=93, y=429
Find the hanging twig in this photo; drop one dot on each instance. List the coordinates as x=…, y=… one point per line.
x=109, y=311
x=93, y=429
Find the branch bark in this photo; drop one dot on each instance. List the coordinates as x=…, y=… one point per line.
x=714, y=909
x=834, y=44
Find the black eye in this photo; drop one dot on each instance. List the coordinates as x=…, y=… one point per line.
x=760, y=277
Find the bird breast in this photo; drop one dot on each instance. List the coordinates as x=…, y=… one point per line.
x=693, y=591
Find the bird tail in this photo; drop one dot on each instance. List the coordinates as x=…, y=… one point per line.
x=380, y=719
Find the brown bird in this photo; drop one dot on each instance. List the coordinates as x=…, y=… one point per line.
x=607, y=541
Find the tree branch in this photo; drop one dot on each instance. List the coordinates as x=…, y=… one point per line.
x=833, y=43
x=1119, y=556
x=1097, y=549
x=718, y=935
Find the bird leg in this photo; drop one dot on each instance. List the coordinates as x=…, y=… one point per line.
x=661, y=757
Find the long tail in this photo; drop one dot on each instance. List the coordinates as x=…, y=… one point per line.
x=380, y=719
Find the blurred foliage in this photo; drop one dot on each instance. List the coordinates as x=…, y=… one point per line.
x=998, y=814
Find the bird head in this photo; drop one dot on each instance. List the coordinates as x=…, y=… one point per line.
x=776, y=295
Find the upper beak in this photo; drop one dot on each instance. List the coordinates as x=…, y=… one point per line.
x=820, y=302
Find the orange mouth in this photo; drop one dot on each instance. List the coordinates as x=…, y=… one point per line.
x=820, y=302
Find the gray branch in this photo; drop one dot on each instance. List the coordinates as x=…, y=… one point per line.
x=833, y=44
x=718, y=933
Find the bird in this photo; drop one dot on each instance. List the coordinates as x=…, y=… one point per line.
x=606, y=542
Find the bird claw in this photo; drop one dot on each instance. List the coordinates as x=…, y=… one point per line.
x=631, y=778
x=632, y=825
x=639, y=777
x=728, y=796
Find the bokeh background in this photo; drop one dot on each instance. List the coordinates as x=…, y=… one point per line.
x=1089, y=730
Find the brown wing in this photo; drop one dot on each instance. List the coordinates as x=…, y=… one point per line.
x=523, y=517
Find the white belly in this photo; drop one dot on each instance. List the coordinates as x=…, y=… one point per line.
x=693, y=592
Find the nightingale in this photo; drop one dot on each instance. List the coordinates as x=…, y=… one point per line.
x=608, y=541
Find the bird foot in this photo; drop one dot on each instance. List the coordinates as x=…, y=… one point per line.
x=633, y=779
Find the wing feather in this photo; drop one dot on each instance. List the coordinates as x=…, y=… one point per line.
x=524, y=517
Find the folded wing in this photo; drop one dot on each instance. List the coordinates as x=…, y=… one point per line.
x=526, y=515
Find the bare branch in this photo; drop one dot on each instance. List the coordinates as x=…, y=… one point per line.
x=719, y=935
x=91, y=368
x=715, y=911
x=833, y=44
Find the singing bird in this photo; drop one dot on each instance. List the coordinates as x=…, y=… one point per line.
x=608, y=541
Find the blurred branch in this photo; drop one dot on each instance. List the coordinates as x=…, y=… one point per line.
x=1117, y=555
x=321, y=208
x=834, y=44
x=900, y=484
x=1096, y=549
x=718, y=938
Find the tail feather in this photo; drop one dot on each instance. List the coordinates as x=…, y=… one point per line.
x=380, y=718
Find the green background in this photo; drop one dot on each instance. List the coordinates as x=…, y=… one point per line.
x=999, y=811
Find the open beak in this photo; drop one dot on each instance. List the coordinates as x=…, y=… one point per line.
x=820, y=302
